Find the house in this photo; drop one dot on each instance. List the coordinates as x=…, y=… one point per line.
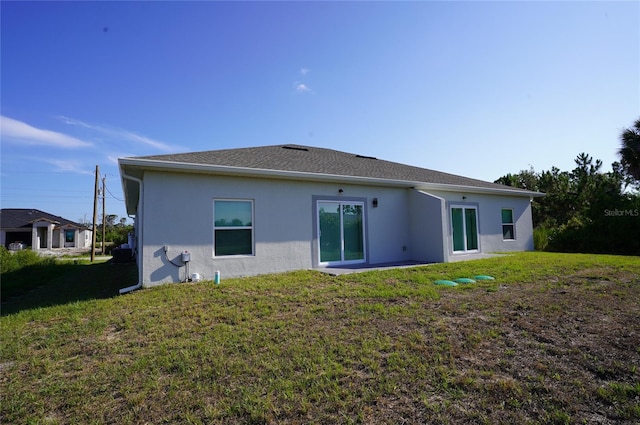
x=277, y=208
x=27, y=227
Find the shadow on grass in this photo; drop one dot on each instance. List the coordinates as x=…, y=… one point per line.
x=62, y=283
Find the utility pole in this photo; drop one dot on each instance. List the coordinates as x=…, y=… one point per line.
x=95, y=217
x=103, y=215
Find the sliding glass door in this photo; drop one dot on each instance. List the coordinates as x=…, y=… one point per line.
x=341, y=232
x=464, y=226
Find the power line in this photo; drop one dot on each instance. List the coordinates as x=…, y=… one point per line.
x=8, y=172
x=30, y=196
x=109, y=192
x=14, y=193
x=44, y=190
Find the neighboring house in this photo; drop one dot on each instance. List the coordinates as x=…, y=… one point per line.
x=40, y=230
x=286, y=207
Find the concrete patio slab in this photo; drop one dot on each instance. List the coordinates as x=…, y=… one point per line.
x=360, y=268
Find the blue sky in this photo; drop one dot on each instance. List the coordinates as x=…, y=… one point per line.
x=479, y=89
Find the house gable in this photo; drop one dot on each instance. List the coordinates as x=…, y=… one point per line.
x=30, y=226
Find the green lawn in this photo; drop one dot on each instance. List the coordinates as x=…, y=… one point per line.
x=61, y=282
x=554, y=339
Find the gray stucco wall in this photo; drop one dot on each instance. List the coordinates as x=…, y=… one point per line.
x=178, y=212
x=428, y=224
x=389, y=234
x=490, y=220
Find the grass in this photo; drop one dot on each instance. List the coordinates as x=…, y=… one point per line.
x=555, y=339
x=50, y=282
x=12, y=261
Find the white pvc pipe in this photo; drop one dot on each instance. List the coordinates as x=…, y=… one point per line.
x=130, y=288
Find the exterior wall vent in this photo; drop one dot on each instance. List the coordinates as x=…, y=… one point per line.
x=295, y=148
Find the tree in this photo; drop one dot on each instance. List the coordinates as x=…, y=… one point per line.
x=630, y=151
x=110, y=220
x=84, y=222
x=583, y=210
x=556, y=206
x=525, y=179
x=116, y=233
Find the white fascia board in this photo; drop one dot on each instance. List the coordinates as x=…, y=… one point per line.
x=148, y=164
x=70, y=226
x=45, y=220
x=475, y=189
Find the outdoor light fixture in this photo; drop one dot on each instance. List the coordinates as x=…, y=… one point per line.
x=375, y=202
x=464, y=197
x=340, y=190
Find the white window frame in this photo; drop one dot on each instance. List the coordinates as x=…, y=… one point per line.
x=230, y=228
x=464, y=228
x=342, y=261
x=512, y=224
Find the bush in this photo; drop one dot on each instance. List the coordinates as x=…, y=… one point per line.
x=117, y=235
x=12, y=261
x=607, y=234
x=541, y=238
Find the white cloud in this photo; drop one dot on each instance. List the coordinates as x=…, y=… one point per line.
x=72, y=121
x=304, y=71
x=119, y=133
x=146, y=140
x=72, y=166
x=11, y=129
x=302, y=88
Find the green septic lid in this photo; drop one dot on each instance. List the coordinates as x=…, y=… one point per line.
x=445, y=283
x=483, y=277
x=465, y=280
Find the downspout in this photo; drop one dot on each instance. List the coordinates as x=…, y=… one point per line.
x=139, y=216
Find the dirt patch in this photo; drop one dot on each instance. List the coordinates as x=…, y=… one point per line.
x=61, y=252
x=545, y=354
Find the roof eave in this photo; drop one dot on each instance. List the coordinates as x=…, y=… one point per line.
x=481, y=190
x=147, y=164
x=130, y=192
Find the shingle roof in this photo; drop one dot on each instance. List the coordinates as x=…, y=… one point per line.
x=307, y=159
x=15, y=218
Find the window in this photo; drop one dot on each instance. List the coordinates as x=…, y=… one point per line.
x=232, y=227
x=507, y=224
x=69, y=236
x=464, y=228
